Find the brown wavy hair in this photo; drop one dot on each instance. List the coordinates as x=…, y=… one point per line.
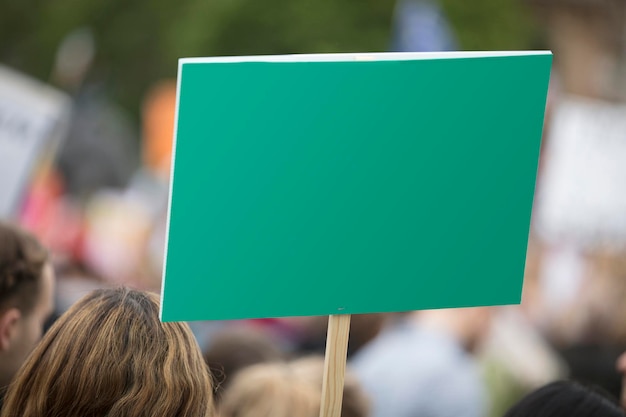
x=110, y=355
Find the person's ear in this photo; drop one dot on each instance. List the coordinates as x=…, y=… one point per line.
x=8, y=323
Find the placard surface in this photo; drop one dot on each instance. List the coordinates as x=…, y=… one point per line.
x=304, y=187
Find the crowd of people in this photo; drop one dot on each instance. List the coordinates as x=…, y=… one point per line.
x=110, y=355
x=76, y=340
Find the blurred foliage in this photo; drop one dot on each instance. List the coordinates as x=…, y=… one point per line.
x=139, y=41
x=493, y=24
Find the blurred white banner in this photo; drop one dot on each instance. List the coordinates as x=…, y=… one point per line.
x=33, y=119
x=582, y=190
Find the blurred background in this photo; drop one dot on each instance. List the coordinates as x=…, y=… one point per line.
x=87, y=96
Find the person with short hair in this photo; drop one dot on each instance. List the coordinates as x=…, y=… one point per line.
x=565, y=399
x=110, y=355
x=26, y=298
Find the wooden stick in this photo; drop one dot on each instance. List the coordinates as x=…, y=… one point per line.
x=335, y=365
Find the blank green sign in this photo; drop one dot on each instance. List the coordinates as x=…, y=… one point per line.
x=315, y=185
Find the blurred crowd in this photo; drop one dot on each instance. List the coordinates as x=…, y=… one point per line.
x=97, y=200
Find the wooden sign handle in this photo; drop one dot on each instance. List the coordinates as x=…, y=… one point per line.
x=335, y=365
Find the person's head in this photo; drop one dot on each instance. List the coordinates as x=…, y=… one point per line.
x=26, y=297
x=237, y=347
x=270, y=390
x=355, y=402
x=566, y=399
x=292, y=389
x=468, y=325
x=363, y=329
x=110, y=355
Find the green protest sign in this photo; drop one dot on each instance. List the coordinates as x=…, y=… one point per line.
x=343, y=184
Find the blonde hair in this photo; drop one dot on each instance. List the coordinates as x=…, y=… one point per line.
x=270, y=390
x=110, y=355
x=287, y=390
x=355, y=402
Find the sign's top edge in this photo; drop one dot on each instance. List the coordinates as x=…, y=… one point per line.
x=348, y=57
